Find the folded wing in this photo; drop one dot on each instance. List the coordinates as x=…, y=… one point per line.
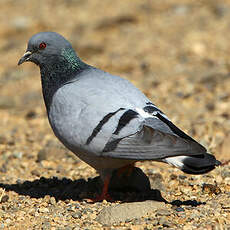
x=156, y=138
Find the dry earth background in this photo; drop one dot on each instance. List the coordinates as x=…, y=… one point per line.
x=177, y=52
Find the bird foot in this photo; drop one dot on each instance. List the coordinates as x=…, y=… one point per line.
x=127, y=170
x=104, y=194
x=102, y=197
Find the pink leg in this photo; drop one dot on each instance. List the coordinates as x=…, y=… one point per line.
x=104, y=195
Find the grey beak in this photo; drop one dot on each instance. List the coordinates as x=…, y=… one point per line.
x=25, y=57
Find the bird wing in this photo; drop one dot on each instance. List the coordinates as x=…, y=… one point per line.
x=155, y=137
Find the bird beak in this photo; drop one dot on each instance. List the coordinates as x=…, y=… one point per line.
x=25, y=57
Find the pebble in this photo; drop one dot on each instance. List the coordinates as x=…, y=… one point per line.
x=211, y=189
x=43, y=210
x=157, y=182
x=181, y=9
x=3, y=168
x=179, y=209
x=68, y=228
x=4, y=199
x=76, y=228
x=121, y=212
x=173, y=177
x=7, y=221
x=77, y=215
x=35, y=172
x=52, y=201
x=18, y=154
x=226, y=173
x=31, y=115
x=163, y=212
x=182, y=177
x=164, y=222
x=3, y=140
x=46, y=225
x=42, y=155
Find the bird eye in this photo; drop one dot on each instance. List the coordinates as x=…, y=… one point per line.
x=42, y=46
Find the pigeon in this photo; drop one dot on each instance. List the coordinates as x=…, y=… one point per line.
x=104, y=119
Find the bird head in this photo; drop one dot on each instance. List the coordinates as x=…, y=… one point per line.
x=44, y=47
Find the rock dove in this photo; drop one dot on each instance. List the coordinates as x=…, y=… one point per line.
x=104, y=119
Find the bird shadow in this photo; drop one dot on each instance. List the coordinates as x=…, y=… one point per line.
x=81, y=189
x=77, y=190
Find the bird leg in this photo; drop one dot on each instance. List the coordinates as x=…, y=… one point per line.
x=127, y=170
x=104, y=195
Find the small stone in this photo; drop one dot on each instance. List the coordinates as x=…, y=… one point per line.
x=18, y=155
x=121, y=212
x=163, y=212
x=3, y=168
x=46, y=225
x=211, y=189
x=156, y=181
x=1, y=213
x=77, y=215
x=76, y=228
x=210, y=106
x=198, y=48
x=46, y=199
x=220, y=10
x=163, y=221
x=43, y=210
x=68, y=228
x=52, y=200
x=52, y=150
x=182, y=177
x=35, y=173
x=179, y=209
x=3, y=140
x=173, y=177
x=42, y=155
x=225, y=173
x=7, y=221
x=11, y=142
x=181, y=9
x=4, y=199
x=31, y=115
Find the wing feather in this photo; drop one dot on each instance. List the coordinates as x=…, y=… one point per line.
x=150, y=144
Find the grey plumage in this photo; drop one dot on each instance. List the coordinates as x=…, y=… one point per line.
x=104, y=119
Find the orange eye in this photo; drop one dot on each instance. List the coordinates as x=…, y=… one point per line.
x=42, y=46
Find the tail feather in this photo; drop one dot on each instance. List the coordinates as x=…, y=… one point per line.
x=197, y=164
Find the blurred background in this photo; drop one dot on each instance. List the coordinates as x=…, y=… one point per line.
x=177, y=52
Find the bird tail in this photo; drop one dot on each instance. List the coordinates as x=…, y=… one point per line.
x=196, y=164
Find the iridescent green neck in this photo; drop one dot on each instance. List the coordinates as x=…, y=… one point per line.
x=72, y=59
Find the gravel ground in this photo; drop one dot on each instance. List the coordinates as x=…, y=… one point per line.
x=177, y=52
